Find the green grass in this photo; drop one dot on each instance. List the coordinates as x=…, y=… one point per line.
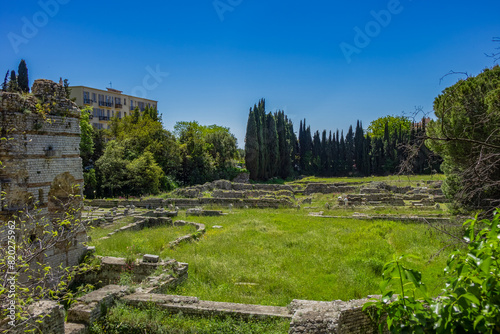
x=287, y=255
x=136, y=243
x=99, y=232
x=319, y=204
x=400, y=180
x=128, y=320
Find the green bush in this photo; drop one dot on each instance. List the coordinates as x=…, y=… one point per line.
x=470, y=300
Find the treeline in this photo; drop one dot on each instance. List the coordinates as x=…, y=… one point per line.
x=270, y=144
x=138, y=156
x=273, y=150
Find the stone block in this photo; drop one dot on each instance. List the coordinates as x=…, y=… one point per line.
x=150, y=258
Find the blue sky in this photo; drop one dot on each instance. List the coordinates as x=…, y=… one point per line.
x=223, y=56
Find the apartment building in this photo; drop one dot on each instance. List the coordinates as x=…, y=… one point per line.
x=108, y=103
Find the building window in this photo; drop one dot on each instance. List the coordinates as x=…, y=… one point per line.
x=141, y=106
x=93, y=98
x=120, y=115
x=86, y=97
x=124, y=102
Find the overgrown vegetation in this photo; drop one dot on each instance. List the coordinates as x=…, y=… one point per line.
x=470, y=298
x=151, y=319
x=266, y=256
x=133, y=244
x=137, y=156
x=466, y=135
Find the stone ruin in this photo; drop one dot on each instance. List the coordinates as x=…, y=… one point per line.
x=42, y=168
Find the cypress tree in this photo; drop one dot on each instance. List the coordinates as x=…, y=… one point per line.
x=272, y=147
x=22, y=79
x=13, y=82
x=252, y=146
x=5, y=83
x=324, y=155
x=293, y=145
x=358, y=146
x=349, y=149
x=342, y=154
x=284, y=144
x=366, y=155
x=260, y=118
x=316, y=154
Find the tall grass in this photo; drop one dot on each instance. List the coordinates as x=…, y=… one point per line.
x=129, y=320
x=266, y=256
x=285, y=256
x=135, y=243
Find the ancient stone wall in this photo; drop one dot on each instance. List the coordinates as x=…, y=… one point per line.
x=47, y=318
x=40, y=155
x=194, y=202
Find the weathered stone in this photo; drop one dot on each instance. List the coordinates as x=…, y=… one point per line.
x=41, y=162
x=150, y=258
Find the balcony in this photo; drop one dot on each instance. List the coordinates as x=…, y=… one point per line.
x=105, y=104
x=118, y=106
x=103, y=118
x=87, y=101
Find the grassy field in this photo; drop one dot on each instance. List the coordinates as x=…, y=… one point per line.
x=392, y=179
x=265, y=256
x=133, y=243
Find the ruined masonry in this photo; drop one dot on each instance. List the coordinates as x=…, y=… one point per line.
x=40, y=154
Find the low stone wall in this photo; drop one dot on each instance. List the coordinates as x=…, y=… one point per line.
x=373, y=199
x=194, y=306
x=224, y=185
x=330, y=317
x=195, y=202
x=141, y=223
x=200, y=229
x=111, y=269
x=90, y=307
x=323, y=188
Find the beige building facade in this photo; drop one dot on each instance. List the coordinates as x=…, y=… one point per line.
x=108, y=103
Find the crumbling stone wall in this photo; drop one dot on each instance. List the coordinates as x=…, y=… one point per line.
x=41, y=159
x=195, y=202
x=337, y=317
x=47, y=318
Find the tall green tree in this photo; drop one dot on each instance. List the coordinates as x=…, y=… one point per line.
x=273, y=158
x=13, y=86
x=5, y=84
x=22, y=79
x=252, y=154
x=466, y=134
x=377, y=127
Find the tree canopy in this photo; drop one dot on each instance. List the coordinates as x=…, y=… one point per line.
x=466, y=134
